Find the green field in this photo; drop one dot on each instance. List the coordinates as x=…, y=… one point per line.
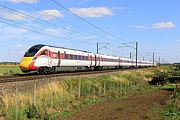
x=6, y=70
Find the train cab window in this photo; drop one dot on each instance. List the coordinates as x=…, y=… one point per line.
x=75, y=57
x=71, y=57
x=66, y=56
x=33, y=50
x=45, y=52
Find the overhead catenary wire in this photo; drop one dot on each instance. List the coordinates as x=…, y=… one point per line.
x=52, y=24
x=85, y=20
x=21, y=23
x=94, y=26
x=57, y=18
x=24, y=14
x=5, y=22
x=39, y=20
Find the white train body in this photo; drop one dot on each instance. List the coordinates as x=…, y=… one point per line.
x=48, y=59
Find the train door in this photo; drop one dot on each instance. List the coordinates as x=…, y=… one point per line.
x=99, y=59
x=119, y=61
x=91, y=60
x=49, y=59
x=95, y=60
x=59, y=58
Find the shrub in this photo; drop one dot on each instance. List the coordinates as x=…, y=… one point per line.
x=159, y=78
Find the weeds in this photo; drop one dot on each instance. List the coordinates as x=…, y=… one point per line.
x=62, y=98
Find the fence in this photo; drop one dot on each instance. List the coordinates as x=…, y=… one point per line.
x=61, y=95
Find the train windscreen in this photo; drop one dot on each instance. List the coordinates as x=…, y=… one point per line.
x=33, y=50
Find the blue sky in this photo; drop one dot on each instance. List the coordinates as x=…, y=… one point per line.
x=154, y=24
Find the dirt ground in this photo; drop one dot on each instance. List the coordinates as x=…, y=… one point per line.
x=136, y=107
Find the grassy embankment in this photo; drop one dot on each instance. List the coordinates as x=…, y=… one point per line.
x=170, y=81
x=172, y=110
x=6, y=70
x=63, y=98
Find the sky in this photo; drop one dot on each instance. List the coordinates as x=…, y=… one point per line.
x=154, y=24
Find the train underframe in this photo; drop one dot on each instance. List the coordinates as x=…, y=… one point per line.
x=55, y=69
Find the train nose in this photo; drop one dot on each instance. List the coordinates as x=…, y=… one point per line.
x=24, y=64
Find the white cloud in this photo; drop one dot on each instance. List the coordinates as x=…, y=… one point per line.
x=11, y=33
x=92, y=11
x=19, y=45
x=12, y=15
x=163, y=25
x=140, y=26
x=25, y=1
x=49, y=14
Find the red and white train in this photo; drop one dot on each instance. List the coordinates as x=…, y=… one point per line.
x=49, y=59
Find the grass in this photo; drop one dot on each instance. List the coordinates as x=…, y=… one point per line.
x=60, y=99
x=6, y=70
x=172, y=109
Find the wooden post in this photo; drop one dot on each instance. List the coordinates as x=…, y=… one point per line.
x=71, y=87
x=175, y=91
x=17, y=103
x=104, y=88
x=79, y=91
x=34, y=94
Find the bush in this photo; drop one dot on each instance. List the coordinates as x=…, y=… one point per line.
x=160, y=78
x=31, y=112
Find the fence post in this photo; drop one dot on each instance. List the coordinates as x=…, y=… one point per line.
x=34, y=94
x=175, y=91
x=71, y=87
x=53, y=95
x=128, y=85
x=17, y=103
x=62, y=95
x=104, y=88
x=79, y=90
x=122, y=88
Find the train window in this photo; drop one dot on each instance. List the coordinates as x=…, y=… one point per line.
x=71, y=57
x=75, y=57
x=83, y=58
x=66, y=56
x=44, y=52
x=79, y=57
x=33, y=50
x=86, y=57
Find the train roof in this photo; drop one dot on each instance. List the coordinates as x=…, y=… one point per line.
x=42, y=45
x=69, y=48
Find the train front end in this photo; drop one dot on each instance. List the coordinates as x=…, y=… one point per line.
x=28, y=60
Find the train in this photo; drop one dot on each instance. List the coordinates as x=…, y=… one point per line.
x=45, y=59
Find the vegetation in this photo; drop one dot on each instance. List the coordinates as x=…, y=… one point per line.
x=172, y=109
x=59, y=99
x=8, y=69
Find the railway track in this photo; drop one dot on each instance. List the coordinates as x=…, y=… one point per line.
x=25, y=77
